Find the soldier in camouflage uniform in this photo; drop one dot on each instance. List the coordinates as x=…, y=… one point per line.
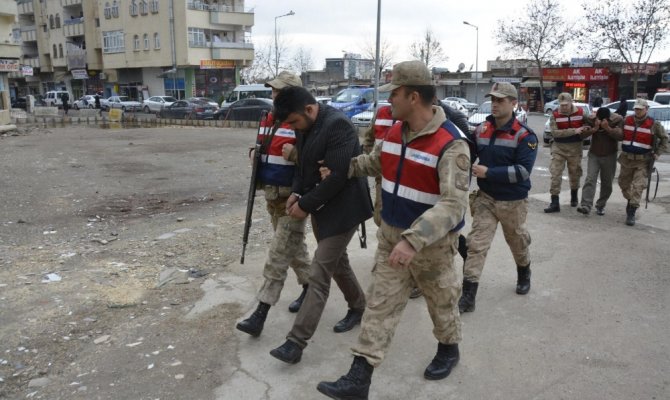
x=425, y=165
x=567, y=124
x=643, y=142
x=288, y=246
x=506, y=150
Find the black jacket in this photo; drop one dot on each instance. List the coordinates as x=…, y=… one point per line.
x=337, y=203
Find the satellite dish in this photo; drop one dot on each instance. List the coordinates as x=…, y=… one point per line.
x=461, y=67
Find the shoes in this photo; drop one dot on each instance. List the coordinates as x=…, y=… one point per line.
x=348, y=323
x=523, y=279
x=294, y=307
x=584, y=210
x=355, y=385
x=600, y=210
x=416, y=292
x=446, y=358
x=573, y=197
x=289, y=352
x=467, y=301
x=630, y=215
x=254, y=324
x=554, y=206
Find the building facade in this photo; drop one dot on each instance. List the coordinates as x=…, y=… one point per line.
x=10, y=51
x=136, y=48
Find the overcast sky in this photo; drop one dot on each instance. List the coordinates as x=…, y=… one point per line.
x=327, y=27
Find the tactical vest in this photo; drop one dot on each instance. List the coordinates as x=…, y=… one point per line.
x=637, y=139
x=383, y=122
x=574, y=121
x=410, y=181
x=273, y=168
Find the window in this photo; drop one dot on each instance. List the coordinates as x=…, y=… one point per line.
x=115, y=9
x=113, y=42
x=108, y=11
x=144, y=7
x=136, y=42
x=57, y=20
x=146, y=41
x=97, y=22
x=157, y=41
x=133, y=8
x=196, y=37
x=54, y=54
x=154, y=6
x=60, y=50
x=51, y=22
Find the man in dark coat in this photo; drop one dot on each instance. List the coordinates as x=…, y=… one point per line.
x=325, y=136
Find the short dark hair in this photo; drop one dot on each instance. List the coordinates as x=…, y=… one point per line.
x=603, y=113
x=292, y=99
x=426, y=93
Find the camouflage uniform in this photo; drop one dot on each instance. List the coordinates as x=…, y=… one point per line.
x=432, y=268
x=368, y=145
x=562, y=153
x=634, y=173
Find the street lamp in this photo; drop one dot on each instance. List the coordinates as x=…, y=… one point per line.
x=476, y=62
x=277, y=44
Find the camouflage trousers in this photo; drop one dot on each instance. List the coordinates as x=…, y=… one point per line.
x=487, y=212
x=562, y=154
x=287, y=248
x=633, y=176
x=433, y=271
x=377, y=212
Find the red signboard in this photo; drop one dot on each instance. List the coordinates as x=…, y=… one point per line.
x=576, y=74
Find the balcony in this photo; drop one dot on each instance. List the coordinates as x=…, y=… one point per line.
x=31, y=61
x=245, y=52
x=28, y=33
x=76, y=58
x=68, y=3
x=231, y=17
x=73, y=27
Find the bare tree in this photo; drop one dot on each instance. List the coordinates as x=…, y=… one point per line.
x=626, y=31
x=302, y=60
x=428, y=49
x=261, y=68
x=539, y=34
x=386, y=52
x=279, y=54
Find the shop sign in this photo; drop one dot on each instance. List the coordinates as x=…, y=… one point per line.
x=646, y=69
x=27, y=70
x=508, y=79
x=217, y=64
x=576, y=74
x=581, y=62
x=79, y=74
x=9, y=65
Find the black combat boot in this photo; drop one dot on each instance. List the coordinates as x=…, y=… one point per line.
x=467, y=301
x=289, y=352
x=446, y=358
x=573, y=198
x=523, y=279
x=254, y=324
x=355, y=385
x=349, y=321
x=294, y=307
x=630, y=215
x=554, y=206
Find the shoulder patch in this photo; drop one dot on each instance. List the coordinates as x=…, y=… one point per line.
x=463, y=162
x=532, y=145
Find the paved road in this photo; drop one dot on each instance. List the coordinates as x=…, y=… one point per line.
x=594, y=326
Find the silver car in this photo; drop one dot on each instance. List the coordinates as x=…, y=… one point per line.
x=86, y=101
x=154, y=103
x=364, y=119
x=548, y=138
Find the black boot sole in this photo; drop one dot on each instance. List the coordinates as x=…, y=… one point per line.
x=521, y=291
x=248, y=330
x=327, y=391
x=437, y=377
x=279, y=356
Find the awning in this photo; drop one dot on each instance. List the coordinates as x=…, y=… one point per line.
x=536, y=83
x=478, y=81
x=449, y=82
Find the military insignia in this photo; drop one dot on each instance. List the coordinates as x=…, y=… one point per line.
x=532, y=146
x=463, y=162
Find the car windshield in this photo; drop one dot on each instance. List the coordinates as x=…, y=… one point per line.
x=485, y=108
x=169, y=99
x=123, y=98
x=660, y=114
x=347, y=96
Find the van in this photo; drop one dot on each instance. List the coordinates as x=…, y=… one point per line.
x=53, y=98
x=662, y=98
x=356, y=99
x=259, y=91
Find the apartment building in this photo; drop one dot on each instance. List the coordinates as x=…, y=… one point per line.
x=10, y=51
x=137, y=48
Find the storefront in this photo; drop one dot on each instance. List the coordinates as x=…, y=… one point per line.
x=214, y=78
x=586, y=85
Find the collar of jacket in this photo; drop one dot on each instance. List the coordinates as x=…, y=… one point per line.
x=438, y=119
x=506, y=127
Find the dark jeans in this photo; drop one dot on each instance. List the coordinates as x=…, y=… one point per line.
x=330, y=261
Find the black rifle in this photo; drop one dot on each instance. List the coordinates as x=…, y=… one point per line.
x=253, y=182
x=650, y=171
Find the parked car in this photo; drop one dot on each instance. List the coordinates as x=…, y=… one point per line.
x=155, y=103
x=471, y=107
x=121, y=102
x=323, y=99
x=364, y=119
x=354, y=100
x=550, y=106
x=662, y=98
x=244, y=110
x=613, y=106
x=205, y=99
x=53, y=98
x=19, y=102
x=662, y=115
x=458, y=106
x=184, y=109
x=548, y=138
x=86, y=101
x=484, y=111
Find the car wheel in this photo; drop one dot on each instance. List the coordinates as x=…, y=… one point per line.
x=548, y=111
x=147, y=110
x=90, y=106
x=123, y=108
x=76, y=107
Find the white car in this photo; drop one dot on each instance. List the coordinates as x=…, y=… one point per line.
x=86, y=101
x=630, y=103
x=121, y=102
x=322, y=99
x=551, y=106
x=484, y=111
x=661, y=114
x=548, y=138
x=364, y=119
x=457, y=106
x=470, y=106
x=154, y=103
